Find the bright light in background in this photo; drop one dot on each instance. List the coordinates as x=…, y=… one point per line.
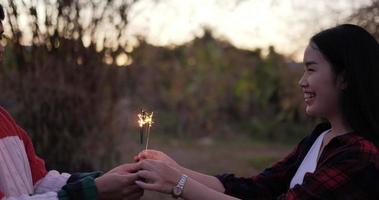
x=247, y=24
x=123, y=60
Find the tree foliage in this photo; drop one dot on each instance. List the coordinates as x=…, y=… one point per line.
x=77, y=104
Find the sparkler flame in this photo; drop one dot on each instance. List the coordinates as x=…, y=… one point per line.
x=145, y=118
x=145, y=121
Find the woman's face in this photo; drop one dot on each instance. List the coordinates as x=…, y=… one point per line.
x=320, y=86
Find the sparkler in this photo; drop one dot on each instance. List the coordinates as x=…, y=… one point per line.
x=145, y=120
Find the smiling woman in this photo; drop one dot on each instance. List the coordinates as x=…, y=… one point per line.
x=320, y=89
x=354, y=58
x=338, y=160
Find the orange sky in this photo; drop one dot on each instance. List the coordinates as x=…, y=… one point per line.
x=247, y=24
x=286, y=24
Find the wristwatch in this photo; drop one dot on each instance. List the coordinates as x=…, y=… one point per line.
x=177, y=191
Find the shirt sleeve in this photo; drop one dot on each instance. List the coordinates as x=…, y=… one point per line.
x=348, y=175
x=80, y=186
x=269, y=184
x=37, y=165
x=52, y=182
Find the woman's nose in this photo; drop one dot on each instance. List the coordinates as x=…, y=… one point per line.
x=302, y=82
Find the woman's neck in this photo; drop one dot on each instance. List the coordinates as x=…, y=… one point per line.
x=338, y=125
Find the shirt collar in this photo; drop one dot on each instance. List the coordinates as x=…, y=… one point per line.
x=347, y=138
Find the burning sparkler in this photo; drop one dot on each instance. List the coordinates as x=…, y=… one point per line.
x=145, y=120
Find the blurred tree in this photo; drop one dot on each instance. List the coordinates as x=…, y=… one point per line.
x=56, y=82
x=45, y=22
x=367, y=17
x=63, y=85
x=209, y=87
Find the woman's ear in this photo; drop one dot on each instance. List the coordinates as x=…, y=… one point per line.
x=341, y=81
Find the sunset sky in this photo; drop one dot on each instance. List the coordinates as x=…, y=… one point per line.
x=248, y=24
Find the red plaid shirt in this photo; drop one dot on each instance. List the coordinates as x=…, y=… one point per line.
x=348, y=168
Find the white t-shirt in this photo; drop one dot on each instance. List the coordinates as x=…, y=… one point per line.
x=310, y=161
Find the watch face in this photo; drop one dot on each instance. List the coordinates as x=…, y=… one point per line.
x=177, y=191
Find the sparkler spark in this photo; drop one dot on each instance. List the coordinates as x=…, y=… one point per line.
x=145, y=121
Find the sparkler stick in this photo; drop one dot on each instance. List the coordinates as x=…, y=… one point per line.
x=149, y=123
x=141, y=122
x=141, y=135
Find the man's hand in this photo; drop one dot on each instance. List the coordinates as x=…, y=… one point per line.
x=119, y=183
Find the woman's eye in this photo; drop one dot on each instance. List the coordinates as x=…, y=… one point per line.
x=310, y=70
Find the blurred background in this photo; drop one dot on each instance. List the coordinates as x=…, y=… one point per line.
x=220, y=75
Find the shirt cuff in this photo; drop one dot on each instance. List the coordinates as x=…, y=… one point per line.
x=80, y=186
x=226, y=180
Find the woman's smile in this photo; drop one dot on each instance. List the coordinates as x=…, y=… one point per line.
x=309, y=97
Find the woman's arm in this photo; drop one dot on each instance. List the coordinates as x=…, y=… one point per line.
x=269, y=184
x=159, y=176
x=195, y=190
x=209, y=181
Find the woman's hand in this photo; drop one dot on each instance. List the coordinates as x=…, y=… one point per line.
x=156, y=155
x=209, y=181
x=125, y=169
x=158, y=176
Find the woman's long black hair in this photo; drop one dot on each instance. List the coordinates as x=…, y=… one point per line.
x=1, y=12
x=354, y=54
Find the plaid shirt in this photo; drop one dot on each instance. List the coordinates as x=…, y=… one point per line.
x=80, y=186
x=348, y=168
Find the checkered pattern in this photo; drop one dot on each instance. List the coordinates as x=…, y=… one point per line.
x=80, y=186
x=347, y=169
